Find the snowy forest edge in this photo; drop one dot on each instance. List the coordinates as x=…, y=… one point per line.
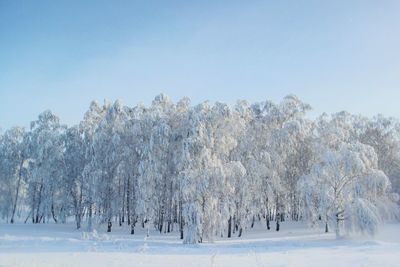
x=211, y=169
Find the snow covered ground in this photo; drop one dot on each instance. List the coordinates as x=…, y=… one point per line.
x=295, y=245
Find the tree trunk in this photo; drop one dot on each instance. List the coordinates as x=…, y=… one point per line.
x=339, y=217
x=277, y=222
x=123, y=204
x=90, y=224
x=277, y=214
x=109, y=225
x=38, y=204
x=240, y=232
x=133, y=220
x=128, y=194
x=53, y=214
x=181, y=218
x=17, y=191
x=132, y=228
x=161, y=220
x=78, y=221
x=337, y=230
x=78, y=206
x=230, y=227
x=27, y=217
x=234, y=225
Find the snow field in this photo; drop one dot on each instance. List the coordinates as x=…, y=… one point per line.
x=295, y=245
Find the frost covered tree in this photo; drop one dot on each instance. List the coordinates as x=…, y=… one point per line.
x=346, y=188
x=13, y=161
x=74, y=164
x=45, y=152
x=206, y=187
x=290, y=152
x=87, y=128
x=207, y=171
x=132, y=143
x=153, y=182
x=383, y=134
x=107, y=152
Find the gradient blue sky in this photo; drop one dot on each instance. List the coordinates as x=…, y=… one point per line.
x=60, y=55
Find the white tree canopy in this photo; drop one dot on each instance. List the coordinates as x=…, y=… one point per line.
x=206, y=170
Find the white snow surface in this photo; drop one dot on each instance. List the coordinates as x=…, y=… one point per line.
x=295, y=245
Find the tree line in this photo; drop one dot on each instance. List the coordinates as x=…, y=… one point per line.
x=206, y=170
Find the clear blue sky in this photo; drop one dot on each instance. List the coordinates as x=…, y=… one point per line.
x=60, y=55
